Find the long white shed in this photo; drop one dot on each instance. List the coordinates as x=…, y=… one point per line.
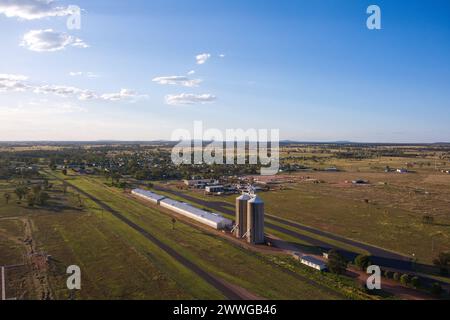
x=213, y=220
x=148, y=195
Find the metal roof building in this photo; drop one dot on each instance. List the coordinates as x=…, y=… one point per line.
x=148, y=195
x=313, y=262
x=213, y=220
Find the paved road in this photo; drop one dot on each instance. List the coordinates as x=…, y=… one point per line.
x=225, y=290
x=380, y=256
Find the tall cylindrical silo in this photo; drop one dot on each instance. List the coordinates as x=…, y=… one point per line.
x=255, y=221
x=241, y=215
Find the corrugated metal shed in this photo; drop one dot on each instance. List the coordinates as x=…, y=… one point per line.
x=148, y=195
x=213, y=220
x=313, y=263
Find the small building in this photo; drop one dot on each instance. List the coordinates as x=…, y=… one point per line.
x=214, y=189
x=314, y=263
x=200, y=183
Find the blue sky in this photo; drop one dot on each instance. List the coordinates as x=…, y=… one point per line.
x=309, y=68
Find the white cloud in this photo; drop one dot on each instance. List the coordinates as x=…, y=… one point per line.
x=32, y=9
x=19, y=83
x=50, y=41
x=222, y=55
x=65, y=92
x=190, y=73
x=12, y=82
x=123, y=94
x=178, y=80
x=84, y=74
x=189, y=98
x=202, y=58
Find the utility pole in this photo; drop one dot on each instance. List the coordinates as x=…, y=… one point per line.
x=3, y=284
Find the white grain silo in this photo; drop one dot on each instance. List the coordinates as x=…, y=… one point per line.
x=255, y=221
x=241, y=215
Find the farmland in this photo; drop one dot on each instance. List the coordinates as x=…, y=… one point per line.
x=119, y=263
x=78, y=210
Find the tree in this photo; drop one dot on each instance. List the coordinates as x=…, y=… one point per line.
x=442, y=262
x=396, y=276
x=415, y=282
x=21, y=192
x=7, y=197
x=336, y=262
x=41, y=198
x=31, y=199
x=174, y=221
x=363, y=262
x=64, y=172
x=405, y=279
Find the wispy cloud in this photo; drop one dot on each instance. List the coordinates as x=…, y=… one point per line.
x=189, y=99
x=121, y=95
x=20, y=83
x=49, y=41
x=190, y=73
x=12, y=82
x=33, y=9
x=83, y=74
x=178, y=80
x=202, y=58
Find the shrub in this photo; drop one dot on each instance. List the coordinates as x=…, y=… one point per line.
x=388, y=274
x=405, y=279
x=362, y=262
x=336, y=262
x=396, y=276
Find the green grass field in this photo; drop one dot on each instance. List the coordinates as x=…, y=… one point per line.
x=232, y=263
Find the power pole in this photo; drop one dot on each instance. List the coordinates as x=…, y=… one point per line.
x=3, y=284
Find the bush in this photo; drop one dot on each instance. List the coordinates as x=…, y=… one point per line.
x=443, y=262
x=336, y=262
x=405, y=279
x=363, y=262
x=415, y=282
x=396, y=276
x=436, y=289
x=388, y=274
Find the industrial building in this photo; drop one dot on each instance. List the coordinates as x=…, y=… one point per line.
x=213, y=220
x=241, y=215
x=313, y=262
x=250, y=218
x=147, y=195
x=200, y=183
x=214, y=189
